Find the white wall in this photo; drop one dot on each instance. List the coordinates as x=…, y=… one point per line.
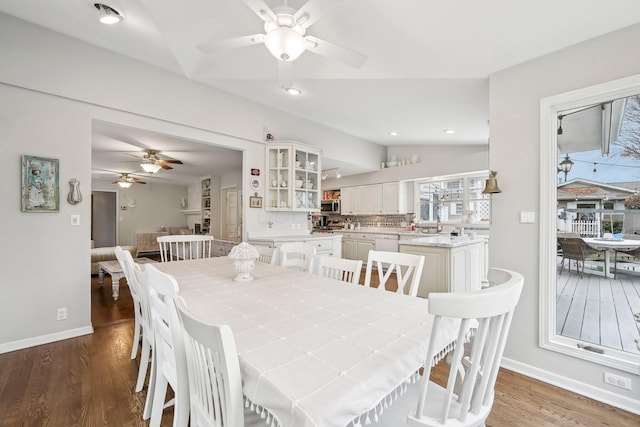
x=432, y=161
x=515, y=96
x=156, y=205
x=51, y=88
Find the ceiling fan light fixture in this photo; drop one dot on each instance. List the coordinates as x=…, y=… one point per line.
x=124, y=183
x=108, y=15
x=285, y=43
x=150, y=167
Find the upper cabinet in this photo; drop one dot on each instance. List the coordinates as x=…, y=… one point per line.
x=293, y=178
x=375, y=199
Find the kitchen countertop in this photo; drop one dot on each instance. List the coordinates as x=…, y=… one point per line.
x=295, y=237
x=442, y=241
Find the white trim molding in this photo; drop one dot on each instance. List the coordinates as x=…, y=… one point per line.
x=566, y=383
x=44, y=339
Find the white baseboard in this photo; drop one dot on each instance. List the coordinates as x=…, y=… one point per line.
x=604, y=396
x=44, y=339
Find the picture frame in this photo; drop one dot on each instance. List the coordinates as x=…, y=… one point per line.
x=255, y=202
x=40, y=185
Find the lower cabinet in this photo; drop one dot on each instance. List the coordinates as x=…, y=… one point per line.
x=325, y=246
x=364, y=244
x=222, y=247
x=449, y=269
x=349, y=245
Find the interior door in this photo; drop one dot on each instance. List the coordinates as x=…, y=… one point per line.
x=230, y=225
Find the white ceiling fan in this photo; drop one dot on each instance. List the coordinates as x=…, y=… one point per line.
x=285, y=36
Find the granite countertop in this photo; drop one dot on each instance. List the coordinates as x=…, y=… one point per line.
x=442, y=241
x=295, y=237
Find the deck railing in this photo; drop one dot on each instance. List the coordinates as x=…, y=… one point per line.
x=586, y=228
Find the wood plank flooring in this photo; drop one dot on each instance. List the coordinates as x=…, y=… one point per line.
x=89, y=381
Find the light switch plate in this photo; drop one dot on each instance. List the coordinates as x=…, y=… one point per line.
x=75, y=220
x=527, y=217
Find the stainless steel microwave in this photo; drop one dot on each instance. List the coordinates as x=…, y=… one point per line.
x=330, y=206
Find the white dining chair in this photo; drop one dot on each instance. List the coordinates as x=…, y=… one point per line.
x=468, y=396
x=297, y=256
x=408, y=269
x=169, y=364
x=127, y=268
x=268, y=255
x=133, y=274
x=184, y=246
x=346, y=270
x=215, y=386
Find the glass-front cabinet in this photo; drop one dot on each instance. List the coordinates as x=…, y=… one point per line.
x=293, y=178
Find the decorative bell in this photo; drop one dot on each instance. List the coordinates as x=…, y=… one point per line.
x=491, y=184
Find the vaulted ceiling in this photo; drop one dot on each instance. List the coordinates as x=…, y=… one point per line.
x=426, y=69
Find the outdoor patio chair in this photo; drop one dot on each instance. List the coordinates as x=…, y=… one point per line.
x=574, y=248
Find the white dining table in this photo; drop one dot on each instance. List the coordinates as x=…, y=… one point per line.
x=610, y=246
x=313, y=351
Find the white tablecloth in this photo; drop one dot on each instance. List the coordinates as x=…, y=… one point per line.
x=313, y=351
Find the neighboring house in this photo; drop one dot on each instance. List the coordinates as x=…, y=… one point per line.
x=584, y=204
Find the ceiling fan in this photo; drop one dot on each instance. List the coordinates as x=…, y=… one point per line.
x=284, y=36
x=152, y=161
x=126, y=180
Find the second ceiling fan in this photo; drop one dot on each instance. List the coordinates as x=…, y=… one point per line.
x=285, y=36
x=152, y=162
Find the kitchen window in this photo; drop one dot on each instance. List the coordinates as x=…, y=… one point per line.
x=456, y=199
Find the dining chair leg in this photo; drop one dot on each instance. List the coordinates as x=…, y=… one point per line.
x=144, y=364
x=136, y=339
x=148, y=404
x=159, y=393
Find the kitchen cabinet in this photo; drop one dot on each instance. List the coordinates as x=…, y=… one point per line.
x=325, y=244
x=394, y=197
x=375, y=199
x=364, y=243
x=371, y=199
x=448, y=268
x=221, y=247
x=350, y=200
x=293, y=178
x=349, y=245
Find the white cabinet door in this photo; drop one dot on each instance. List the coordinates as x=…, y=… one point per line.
x=362, y=249
x=371, y=199
x=351, y=200
x=394, y=198
x=349, y=249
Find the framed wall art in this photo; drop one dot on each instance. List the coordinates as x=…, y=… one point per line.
x=40, y=184
x=255, y=201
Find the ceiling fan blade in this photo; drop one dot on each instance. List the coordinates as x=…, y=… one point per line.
x=285, y=74
x=177, y=162
x=331, y=50
x=232, y=43
x=313, y=10
x=136, y=181
x=164, y=165
x=261, y=9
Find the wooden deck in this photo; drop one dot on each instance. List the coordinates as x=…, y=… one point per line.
x=599, y=310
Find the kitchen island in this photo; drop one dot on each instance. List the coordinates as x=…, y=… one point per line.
x=326, y=244
x=452, y=263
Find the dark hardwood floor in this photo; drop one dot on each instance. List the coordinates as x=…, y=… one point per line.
x=89, y=381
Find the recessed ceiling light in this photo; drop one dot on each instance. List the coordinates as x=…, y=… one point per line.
x=293, y=91
x=449, y=131
x=393, y=133
x=108, y=15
